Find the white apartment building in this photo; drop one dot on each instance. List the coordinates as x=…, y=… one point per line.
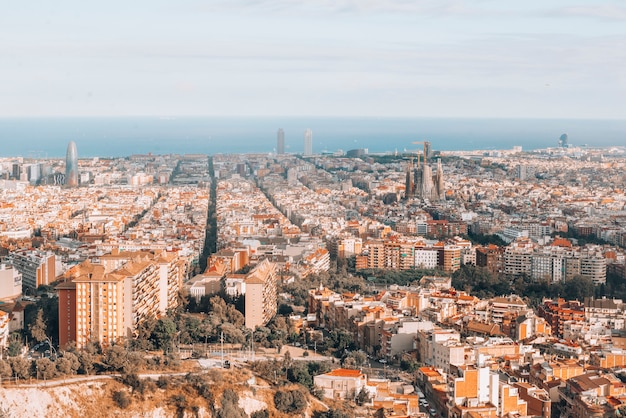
x=426, y=259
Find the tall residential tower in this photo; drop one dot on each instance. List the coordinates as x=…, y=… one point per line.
x=308, y=142
x=71, y=165
x=280, y=142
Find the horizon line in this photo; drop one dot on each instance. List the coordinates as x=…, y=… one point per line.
x=173, y=117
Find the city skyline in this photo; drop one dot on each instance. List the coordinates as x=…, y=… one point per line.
x=348, y=58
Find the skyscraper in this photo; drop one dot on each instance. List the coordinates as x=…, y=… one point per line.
x=308, y=142
x=71, y=165
x=280, y=142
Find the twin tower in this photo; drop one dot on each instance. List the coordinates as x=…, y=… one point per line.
x=308, y=142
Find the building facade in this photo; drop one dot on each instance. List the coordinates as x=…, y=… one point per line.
x=71, y=165
x=280, y=142
x=261, y=296
x=308, y=142
x=37, y=267
x=10, y=282
x=106, y=302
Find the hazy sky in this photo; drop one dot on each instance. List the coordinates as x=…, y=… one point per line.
x=482, y=58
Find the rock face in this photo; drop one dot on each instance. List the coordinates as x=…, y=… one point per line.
x=94, y=400
x=77, y=400
x=248, y=403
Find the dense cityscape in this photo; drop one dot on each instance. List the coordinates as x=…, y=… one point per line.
x=420, y=283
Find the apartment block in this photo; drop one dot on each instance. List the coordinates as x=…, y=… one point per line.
x=10, y=282
x=37, y=267
x=593, y=394
x=261, y=297
x=106, y=302
x=557, y=312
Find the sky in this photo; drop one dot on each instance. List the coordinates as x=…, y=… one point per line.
x=430, y=58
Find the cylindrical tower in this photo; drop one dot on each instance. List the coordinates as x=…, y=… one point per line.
x=71, y=165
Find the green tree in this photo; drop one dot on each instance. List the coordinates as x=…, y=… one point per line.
x=342, y=340
x=362, y=397
x=145, y=329
x=164, y=333
x=232, y=333
x=578, y=287
x=299, y=373
x=15, y=345
x=230, y=406
x=5, y=369
x=116, y=358
x=355, y=359
x=480, y=282
x=290, y=401
x=38, y=328
x=20, y=367
x=68, y=364
x=408, y=365
x=86, y=362
x=285, y=309
x=46, y=369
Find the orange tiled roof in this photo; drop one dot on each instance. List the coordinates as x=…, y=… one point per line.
x=345, y=373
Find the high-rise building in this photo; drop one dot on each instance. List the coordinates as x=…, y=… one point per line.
x=308, y=142
x=37, y=267
x=280, y=142
x=260, y=301
x=71, y=165
x=106, y=302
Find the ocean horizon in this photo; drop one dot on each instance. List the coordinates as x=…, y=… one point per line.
x=122, y=136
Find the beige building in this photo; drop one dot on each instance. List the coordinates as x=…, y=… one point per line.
x=10, y=282
x=341, y=383
x=105, y=302
x=4, y=330
x=260, y=290
x=99, y=307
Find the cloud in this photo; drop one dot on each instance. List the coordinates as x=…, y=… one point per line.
x=607, y=11
x=433, y=8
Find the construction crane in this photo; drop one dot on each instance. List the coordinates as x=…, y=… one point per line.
x=426, y=151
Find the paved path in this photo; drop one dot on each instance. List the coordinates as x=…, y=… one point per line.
x=80, y=379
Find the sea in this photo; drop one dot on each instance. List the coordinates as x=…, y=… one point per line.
x=123, y=136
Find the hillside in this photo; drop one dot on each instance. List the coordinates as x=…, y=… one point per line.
x=200, y=395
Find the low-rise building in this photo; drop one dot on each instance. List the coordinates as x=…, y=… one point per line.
x=341, y=383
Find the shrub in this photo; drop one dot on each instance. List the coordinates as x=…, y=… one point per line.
x=260, y=414
x=290, y=401
x=121, y=399
x=162, y=382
